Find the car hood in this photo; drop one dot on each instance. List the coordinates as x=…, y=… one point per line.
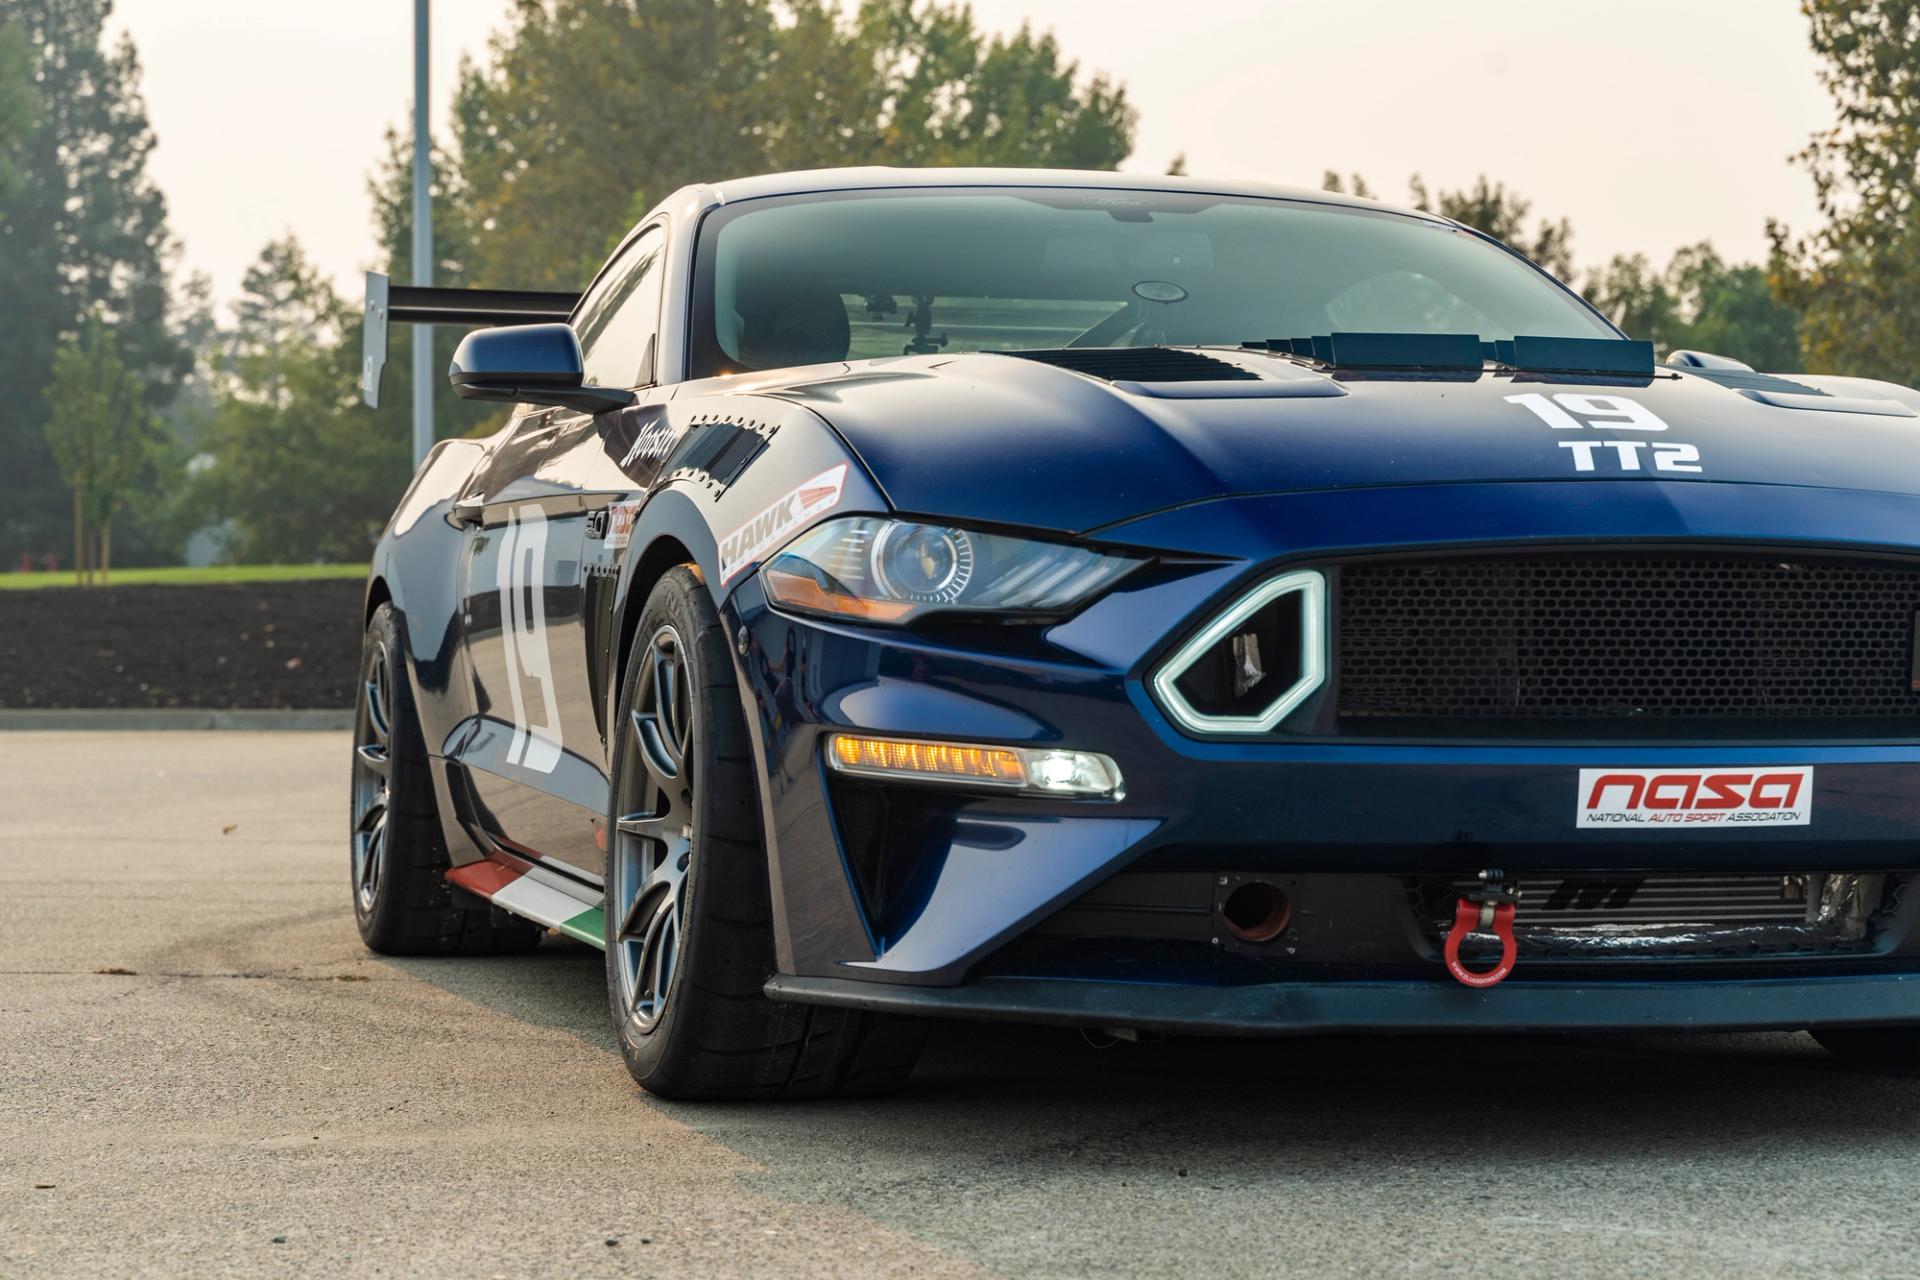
x=1009, y=440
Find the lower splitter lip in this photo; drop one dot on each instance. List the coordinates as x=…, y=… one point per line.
x=1295, y=1008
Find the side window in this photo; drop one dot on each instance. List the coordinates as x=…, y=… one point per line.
x=618, y=320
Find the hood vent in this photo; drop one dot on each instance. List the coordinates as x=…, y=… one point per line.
x=1140, y=364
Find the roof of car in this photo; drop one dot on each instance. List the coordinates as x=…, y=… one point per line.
x=875, y=177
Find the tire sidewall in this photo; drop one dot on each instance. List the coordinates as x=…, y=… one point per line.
x=678, y=600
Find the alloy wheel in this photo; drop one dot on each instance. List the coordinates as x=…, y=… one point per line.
x=372, y=779
x=653, y=838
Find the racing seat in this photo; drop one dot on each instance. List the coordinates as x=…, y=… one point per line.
x=807, y=326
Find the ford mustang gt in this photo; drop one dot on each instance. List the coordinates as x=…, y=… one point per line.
x=1141, y=604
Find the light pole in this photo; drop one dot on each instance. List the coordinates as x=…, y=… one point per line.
x=422, y=238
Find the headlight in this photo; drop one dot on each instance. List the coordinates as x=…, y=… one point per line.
x=883, y=570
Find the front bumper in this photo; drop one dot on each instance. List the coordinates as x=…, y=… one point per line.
x=962, y=878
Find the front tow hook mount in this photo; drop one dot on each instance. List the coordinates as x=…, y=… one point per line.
x=1490, y=907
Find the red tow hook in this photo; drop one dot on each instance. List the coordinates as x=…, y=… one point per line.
x=1489, y=908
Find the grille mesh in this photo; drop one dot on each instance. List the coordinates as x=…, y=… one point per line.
x=1671, y=638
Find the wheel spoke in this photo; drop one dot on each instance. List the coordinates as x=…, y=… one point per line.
x=372, y=776
x=656, y=751
x=379, y=700
x=666, y=684
x=653, y=831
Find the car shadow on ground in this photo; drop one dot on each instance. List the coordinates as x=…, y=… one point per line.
x=1249, y=1096
x=1028, y=1149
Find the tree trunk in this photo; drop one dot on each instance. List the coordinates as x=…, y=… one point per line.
x=106, y=550
x=79, y=541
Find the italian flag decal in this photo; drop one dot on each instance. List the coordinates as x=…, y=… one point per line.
x=533, y=894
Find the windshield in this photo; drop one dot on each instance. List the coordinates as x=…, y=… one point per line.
x=851, y=275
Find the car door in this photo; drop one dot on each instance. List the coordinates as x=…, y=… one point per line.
x=536, y=750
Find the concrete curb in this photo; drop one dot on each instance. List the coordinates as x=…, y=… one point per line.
x=150, y=718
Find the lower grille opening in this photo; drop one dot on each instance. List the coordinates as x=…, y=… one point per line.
x=1625, y=915
x=1596, y=925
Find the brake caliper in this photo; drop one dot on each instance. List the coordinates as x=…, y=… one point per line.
x=1490, y=907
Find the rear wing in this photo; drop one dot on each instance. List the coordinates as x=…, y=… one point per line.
x=390, y=304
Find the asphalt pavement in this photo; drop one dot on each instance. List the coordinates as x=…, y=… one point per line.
x=202, y=1072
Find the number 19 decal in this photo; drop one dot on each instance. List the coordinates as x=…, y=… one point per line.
x=1570, y=412
x=521, y=573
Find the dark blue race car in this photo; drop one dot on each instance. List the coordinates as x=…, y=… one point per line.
x=1139, y=604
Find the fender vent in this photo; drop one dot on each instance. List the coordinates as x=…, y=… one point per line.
x=1140, y=364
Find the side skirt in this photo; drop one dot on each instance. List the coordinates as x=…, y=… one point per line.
x=537, y=895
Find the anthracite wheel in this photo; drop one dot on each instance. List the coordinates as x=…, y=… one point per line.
x=398, y=859
x=689, y=926
x=653, y=834
x=372, y=769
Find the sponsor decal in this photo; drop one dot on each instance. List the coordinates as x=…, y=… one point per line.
x=650, y=444
x=620, y=517
x=1762, y=796
x=745, y=545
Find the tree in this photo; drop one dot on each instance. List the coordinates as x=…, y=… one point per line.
x=1702, y=303
x=103, y=436
x=590, y=111
x=1502, y=214
x=1355, y=185
x=1487, y=206
x=391, y=188
x=18, y=104
x=82, y=233
x=296, y=469
x=1853, y=277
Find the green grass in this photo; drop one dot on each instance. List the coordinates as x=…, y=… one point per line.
x=192, y=577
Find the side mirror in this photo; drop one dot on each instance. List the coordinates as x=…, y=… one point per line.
x=529, y=363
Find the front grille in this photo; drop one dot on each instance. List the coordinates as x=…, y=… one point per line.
x=1664, y=638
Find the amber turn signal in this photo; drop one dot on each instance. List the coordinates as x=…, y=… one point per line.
x=1040, y=770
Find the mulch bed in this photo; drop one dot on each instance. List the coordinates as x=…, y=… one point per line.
x=213, y=646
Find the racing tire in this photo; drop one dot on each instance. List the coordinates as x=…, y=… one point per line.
x=689, y=922
x=1872, y=1046
x=398, y=868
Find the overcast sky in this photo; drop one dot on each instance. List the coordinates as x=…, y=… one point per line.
x=1650, y=123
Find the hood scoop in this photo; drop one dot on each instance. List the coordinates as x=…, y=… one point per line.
x=1170, y=373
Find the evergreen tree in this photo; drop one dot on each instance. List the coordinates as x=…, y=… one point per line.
x=297, y=469
x=83, y=232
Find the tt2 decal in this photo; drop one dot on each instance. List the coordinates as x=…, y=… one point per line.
x=521, y=575
x=745, y=545
x=1570, y=411
x=1761, y=797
